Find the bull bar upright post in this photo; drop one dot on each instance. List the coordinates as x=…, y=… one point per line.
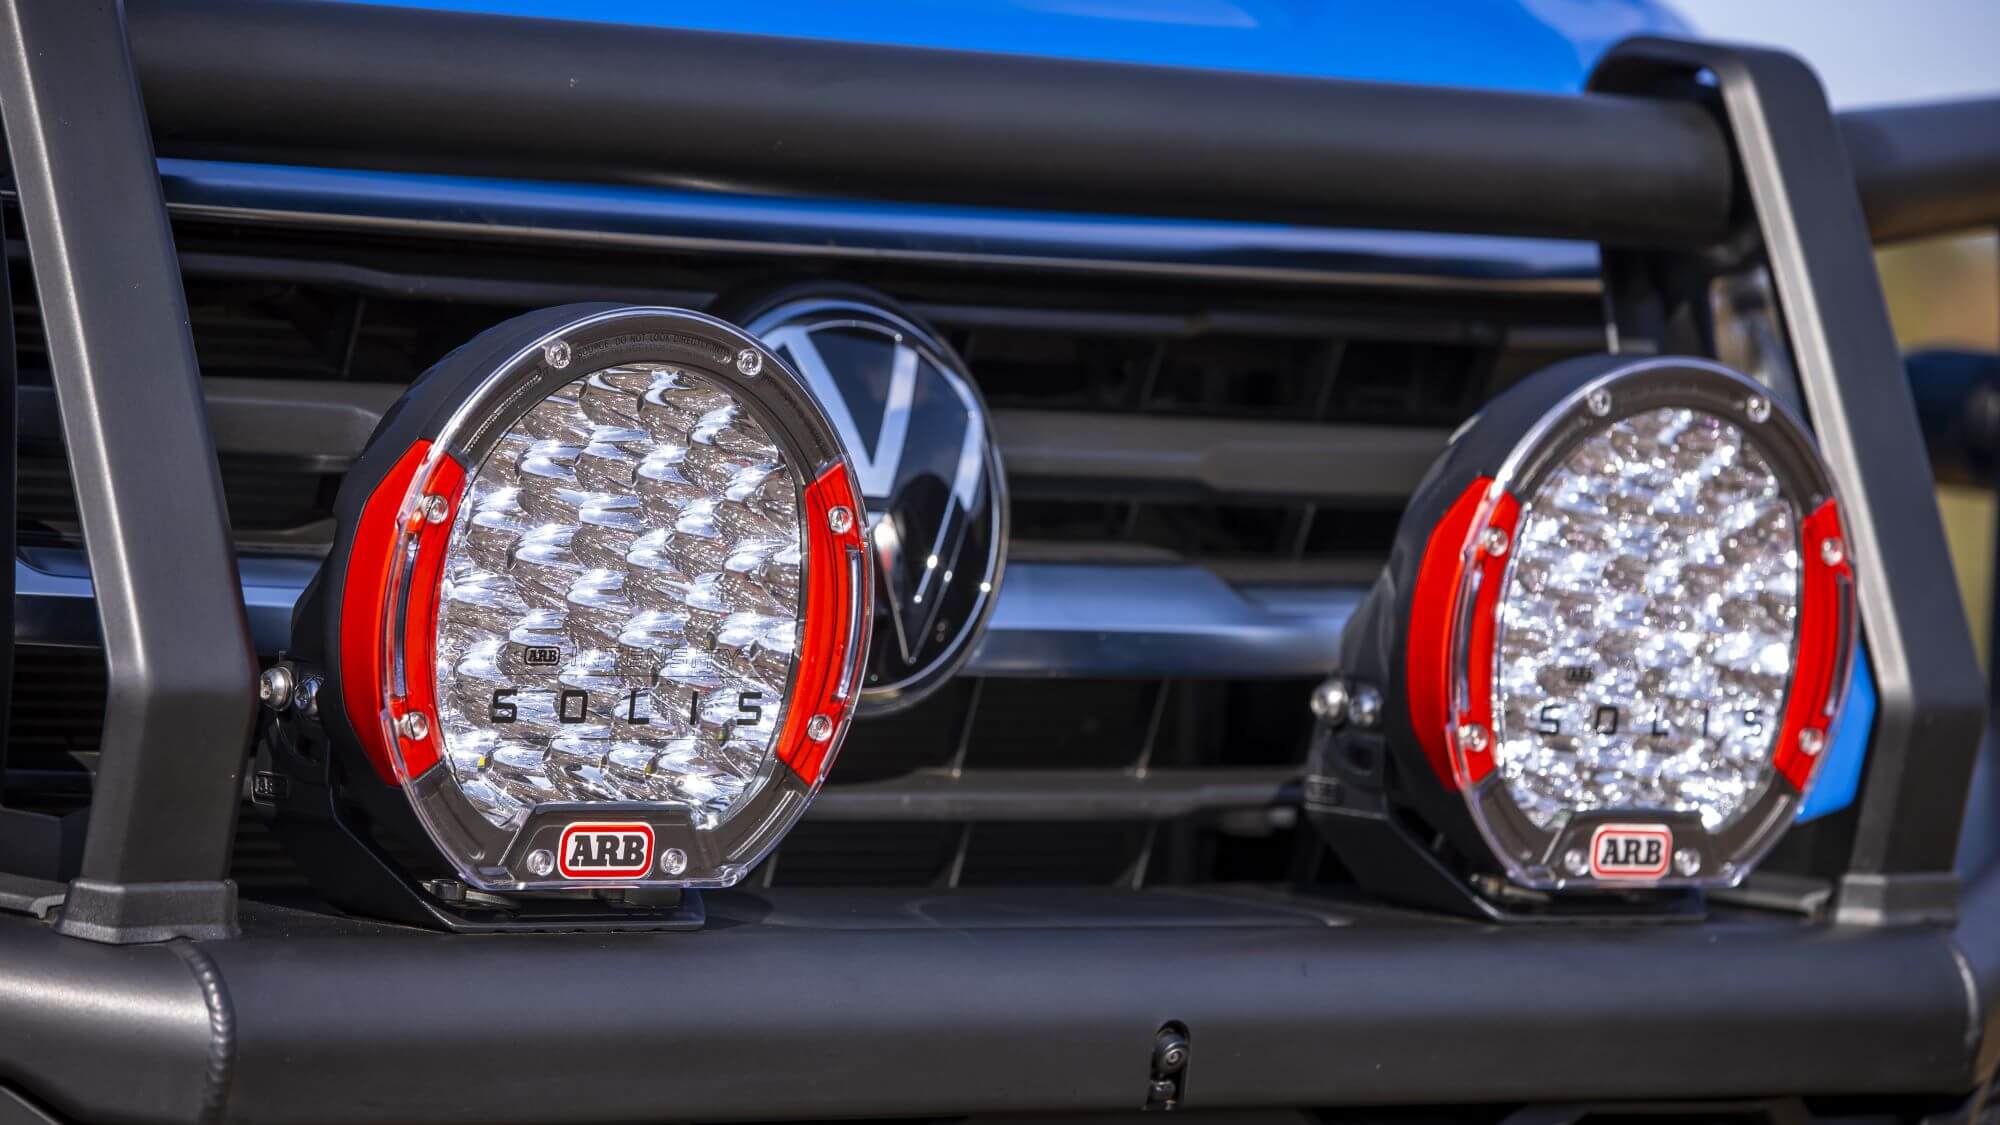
x=181, y=670
x=1806, y=214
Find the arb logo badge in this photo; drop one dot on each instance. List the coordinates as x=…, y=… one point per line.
x=605, y=851
x=1630, y=851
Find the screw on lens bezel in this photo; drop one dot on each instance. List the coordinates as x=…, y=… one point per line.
x=1722, y=856
x=446, y=448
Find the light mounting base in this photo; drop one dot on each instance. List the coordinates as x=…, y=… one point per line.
x=294, y=788
x=1349, y=806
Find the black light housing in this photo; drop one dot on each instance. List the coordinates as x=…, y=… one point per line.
x=590, y=633
x=1601, y=664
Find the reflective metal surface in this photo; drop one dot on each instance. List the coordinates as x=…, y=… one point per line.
x=922, y=445
x=663, y=218
x=54, y=604
x=1057, y=619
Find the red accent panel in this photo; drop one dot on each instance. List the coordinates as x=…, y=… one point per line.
x=1825, y=633
x=1482, y=622
x=420, y=621
x=832, y=598
x=1427, y=659
x=364, y=607
x=364, y=599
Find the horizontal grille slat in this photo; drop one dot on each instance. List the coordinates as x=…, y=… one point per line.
x=1059, y=794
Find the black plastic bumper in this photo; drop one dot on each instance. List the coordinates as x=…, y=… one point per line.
x=802, y=1005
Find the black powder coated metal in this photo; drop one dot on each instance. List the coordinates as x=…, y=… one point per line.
x=296, y=81
x=801, y=1005
x=1926, y=169
x=176, y=641
x=1808, y=216
x=97, y=1032
x=318, y=83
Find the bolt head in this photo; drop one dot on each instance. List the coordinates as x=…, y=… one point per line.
x=434, y=508
x=1329, y=700
x=749, y=361
x=840, y=520
x=1473, y=738
x=274, y=687
x=1599, y=402
x=1811, y=742
x=1758, y=408
x=1366, y=706
x=673, y=861
x=1687, y=861
x=820, y=728
x=557, y=354
x=1832, y=551
x=305, y=700
x=414, y=725
x=1576, y=863
x=541, y=863
x=1494, y=541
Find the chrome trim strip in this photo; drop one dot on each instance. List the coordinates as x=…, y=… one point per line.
x=850, y=669
x=1052, y=619
x=54, y=603
x=718, y=222
x=1168, y=621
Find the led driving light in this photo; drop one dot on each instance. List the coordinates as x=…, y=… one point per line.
x=596, y=611
x=1608, y=644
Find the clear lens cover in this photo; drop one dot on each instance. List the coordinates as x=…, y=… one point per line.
x=620, y=605
x=624, y=629
x=1649, y=634
x=1647, y=624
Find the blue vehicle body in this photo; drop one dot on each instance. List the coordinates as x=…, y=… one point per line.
x=1529, y=45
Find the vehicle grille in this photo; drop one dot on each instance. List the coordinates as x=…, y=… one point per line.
x=1066, y=778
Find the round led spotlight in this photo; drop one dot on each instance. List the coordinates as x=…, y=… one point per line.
x=598, y=602
x=905, y=406
x=1612, y=634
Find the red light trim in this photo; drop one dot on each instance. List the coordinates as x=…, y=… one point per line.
x=1435, y=614
x=364, y=602
x=833, y=597
x=420, y=622
x=1482, y=619
x=365, y=608
x=1825, y=634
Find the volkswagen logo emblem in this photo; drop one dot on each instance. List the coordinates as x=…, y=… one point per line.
x=917, y=431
